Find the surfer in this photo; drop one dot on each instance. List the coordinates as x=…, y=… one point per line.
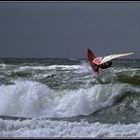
x=102, y=66
x=93, y=60
x=103, y=62
x=105, y=65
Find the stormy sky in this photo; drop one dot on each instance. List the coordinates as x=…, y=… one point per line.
x=67, y=29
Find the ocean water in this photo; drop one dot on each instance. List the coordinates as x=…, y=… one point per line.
x=65, y=98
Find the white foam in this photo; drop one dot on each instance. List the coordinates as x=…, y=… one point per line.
x=3, y=66
x=25, y=98
x=48, y=128
x=32, y=99
x=51, y=67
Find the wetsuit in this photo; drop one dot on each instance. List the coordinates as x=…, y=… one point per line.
x=106, y=65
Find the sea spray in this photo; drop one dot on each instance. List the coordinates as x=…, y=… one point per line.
x=31, y=99
x=64, y=98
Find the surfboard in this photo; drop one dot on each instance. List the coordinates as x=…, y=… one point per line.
x=102, y=60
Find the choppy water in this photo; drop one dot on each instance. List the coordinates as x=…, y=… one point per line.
x=65, y=98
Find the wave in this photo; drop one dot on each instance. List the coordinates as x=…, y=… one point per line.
x=130, y=79
x=32, y=99
x=48, y=128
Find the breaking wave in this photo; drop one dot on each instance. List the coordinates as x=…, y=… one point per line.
x=34, y=99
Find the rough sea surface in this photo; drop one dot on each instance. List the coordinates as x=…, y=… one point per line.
x=65, y=98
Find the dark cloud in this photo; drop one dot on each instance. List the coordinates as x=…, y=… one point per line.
x=68, y=29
